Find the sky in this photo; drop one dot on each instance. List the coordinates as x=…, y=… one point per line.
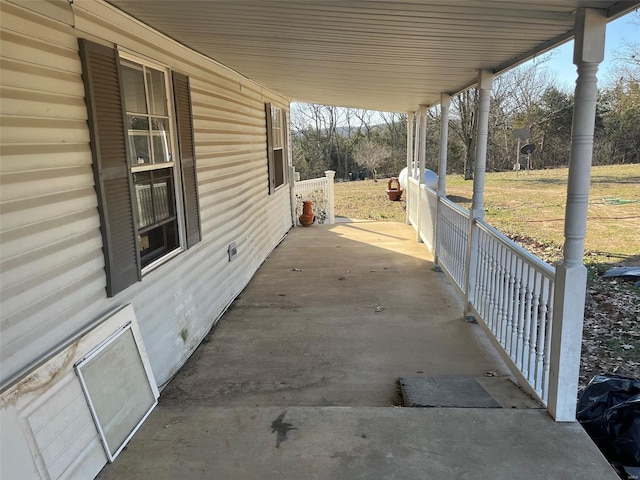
x=561, y=62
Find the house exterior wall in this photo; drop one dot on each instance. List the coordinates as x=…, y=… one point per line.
x=51, y=261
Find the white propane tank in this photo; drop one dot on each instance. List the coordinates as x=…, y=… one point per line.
x=430, y=178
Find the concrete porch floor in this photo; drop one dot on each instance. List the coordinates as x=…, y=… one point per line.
x=299, y=379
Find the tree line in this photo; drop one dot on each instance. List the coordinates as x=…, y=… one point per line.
x=352, y=141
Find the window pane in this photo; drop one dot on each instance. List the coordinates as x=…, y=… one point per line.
x=276, y=127
x=133, y=82
x=157, y=92
x=138, y=122
x=145, y=204
x=162, y=197
x=161, y=151
x=139, y=145
x=158, y=241
x=161, y=140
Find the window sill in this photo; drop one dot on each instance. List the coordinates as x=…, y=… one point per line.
x=161, y=261
x=279, y=187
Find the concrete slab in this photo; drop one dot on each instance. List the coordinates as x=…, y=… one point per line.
x=350, y=443
x=293, y=381
x=305, y=332
x=458, y=392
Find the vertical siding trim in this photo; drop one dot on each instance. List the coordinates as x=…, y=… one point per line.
x=186, y=147
x=103, y=87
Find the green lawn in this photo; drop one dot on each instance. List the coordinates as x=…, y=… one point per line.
x=530, y=205
x=367, y=200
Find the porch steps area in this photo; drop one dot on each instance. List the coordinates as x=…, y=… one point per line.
x=299, y=379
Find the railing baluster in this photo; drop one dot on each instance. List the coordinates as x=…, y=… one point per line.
x=495, y=270
x=533, y=327
x=542, y=317
x=480, y=290
x=502, y=297
x=547, y=347
x=529, y=326
x=510, y=304
x=522, y=295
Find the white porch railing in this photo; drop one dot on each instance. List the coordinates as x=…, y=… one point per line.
x=428, y=205
x=321, y=192
x=513, y=296
x=511, y=292
x=453, y=236
x=413, y=196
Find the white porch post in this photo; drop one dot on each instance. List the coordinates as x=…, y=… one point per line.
x=416, y=148
x=485, y=83
x=291, y=171
x=422, y=153
x=423, y=142
x=330, y=174
x=571, y=274
x=407, y=197
x=445, y=103
x=292, y=194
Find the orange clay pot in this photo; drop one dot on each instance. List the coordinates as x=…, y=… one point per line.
x=307, y=218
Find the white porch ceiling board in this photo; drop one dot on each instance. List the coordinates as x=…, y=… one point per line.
x=378, y=54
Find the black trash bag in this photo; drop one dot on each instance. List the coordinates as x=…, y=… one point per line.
x=609, y=410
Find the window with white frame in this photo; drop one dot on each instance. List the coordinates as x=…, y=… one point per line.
x=276, y=145
x=150, y=157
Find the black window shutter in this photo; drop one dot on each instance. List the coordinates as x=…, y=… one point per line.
x=270, y=156
x=186, y=147
x=101, y=76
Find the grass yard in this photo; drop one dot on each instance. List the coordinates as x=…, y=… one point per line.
x=367, y=200
x=530, y=205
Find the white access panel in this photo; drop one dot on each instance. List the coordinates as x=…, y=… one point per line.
x=120, y=388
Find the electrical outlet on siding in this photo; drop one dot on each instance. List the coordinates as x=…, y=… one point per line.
x=232, y=250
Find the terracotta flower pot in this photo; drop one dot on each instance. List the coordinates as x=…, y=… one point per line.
x=394, y=192
x=307, y=218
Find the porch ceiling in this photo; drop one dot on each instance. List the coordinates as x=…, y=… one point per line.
x=384, y=55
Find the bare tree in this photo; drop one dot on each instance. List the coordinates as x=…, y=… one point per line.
x=371, y=154
x=464, y=107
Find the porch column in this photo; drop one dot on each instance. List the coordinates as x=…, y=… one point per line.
x=331, y=217
x=292, y=194
x=416, y=148
x=409, y=162
x=422, y=153
x=445, y=103
x=571, y=274
x=485, y=83
x=423, y=142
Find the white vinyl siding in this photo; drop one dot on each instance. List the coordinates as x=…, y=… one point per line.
x=51, y=262
x=52, y=266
